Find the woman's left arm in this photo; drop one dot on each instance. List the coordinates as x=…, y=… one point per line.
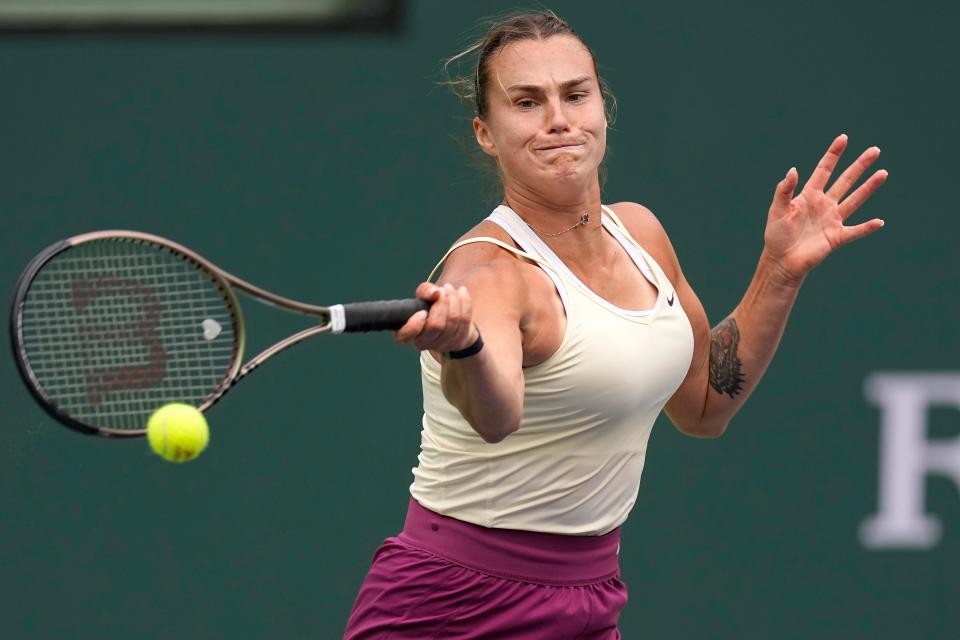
x=801, y=231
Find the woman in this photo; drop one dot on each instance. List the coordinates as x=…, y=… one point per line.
x=560, y=328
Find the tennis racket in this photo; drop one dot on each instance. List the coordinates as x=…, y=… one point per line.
x=110, y=325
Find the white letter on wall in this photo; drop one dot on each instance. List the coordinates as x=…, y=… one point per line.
x=907, y=456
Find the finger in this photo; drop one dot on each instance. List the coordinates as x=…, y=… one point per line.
x=820, y=176
x=854, y=233
x=783, y=194
x=411, y=328
x=465, y=333
x=436, y=321
x=452, y=326
x=428, y=291
x=849, y=177
x=862, y=194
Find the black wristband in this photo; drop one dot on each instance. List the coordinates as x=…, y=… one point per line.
x=469, y=351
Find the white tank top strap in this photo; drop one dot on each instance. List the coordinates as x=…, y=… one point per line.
x=647, y=265
x=616, y=220
x=508, y=220
x=499, y=243
x=523, y=235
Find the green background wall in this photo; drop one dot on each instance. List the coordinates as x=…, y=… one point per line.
x=322, y=166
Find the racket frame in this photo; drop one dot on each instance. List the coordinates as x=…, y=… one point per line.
x=223, y=280
x=355, y=317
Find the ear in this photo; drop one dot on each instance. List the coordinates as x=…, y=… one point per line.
x=484, y=139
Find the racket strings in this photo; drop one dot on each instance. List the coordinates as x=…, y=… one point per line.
x=114, y=328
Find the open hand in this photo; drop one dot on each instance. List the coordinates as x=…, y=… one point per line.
x=803, y=230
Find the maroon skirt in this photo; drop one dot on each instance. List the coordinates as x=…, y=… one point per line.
x=445, y=578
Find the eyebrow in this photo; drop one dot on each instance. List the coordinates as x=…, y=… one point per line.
x=563, y=85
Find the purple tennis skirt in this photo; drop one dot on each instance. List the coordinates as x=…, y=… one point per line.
x=445, y=578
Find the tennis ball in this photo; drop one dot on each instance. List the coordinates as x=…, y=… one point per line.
x=177, y=432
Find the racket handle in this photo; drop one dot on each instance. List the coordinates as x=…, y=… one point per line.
x=383, y=315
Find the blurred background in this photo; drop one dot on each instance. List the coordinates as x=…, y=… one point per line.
x=312, y=152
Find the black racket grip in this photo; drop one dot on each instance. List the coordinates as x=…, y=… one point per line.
x=383, y=315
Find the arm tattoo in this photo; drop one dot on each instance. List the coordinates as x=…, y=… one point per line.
x=726, y=375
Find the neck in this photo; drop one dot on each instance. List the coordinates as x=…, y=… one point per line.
x=558, y=211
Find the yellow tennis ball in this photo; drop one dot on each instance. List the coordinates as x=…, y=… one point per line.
x=177, y=432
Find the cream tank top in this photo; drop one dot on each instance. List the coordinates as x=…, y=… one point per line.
x=574, y=465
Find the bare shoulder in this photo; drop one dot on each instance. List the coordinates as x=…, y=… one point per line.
x=647, y=230
x=483, y=263
x=641, y=222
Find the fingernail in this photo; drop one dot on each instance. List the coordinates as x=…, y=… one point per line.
x=421, y=315
x=882, y=222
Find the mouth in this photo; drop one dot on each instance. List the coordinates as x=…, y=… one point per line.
x=560, y=147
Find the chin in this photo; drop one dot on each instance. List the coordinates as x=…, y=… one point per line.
x=572, y=169
x=568, y=174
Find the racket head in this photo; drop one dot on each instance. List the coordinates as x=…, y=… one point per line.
x=108, y=326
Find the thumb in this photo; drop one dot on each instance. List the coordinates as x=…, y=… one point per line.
x=785, y=188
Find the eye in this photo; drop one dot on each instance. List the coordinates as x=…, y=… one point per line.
x=526, y=103
x=576, y=97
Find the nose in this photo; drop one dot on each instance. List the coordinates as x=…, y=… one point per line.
x=556, y=118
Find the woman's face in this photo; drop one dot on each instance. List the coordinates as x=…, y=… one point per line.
x=545, y=121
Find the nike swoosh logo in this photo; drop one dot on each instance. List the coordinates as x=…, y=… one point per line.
x=670, y=299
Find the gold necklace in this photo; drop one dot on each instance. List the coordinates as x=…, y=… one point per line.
x=584, y=219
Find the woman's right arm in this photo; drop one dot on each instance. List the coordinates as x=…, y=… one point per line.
x=480, y=292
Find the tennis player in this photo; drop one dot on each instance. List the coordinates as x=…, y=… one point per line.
x=560, y=328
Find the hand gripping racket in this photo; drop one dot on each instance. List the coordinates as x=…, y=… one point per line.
x=110, y=325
